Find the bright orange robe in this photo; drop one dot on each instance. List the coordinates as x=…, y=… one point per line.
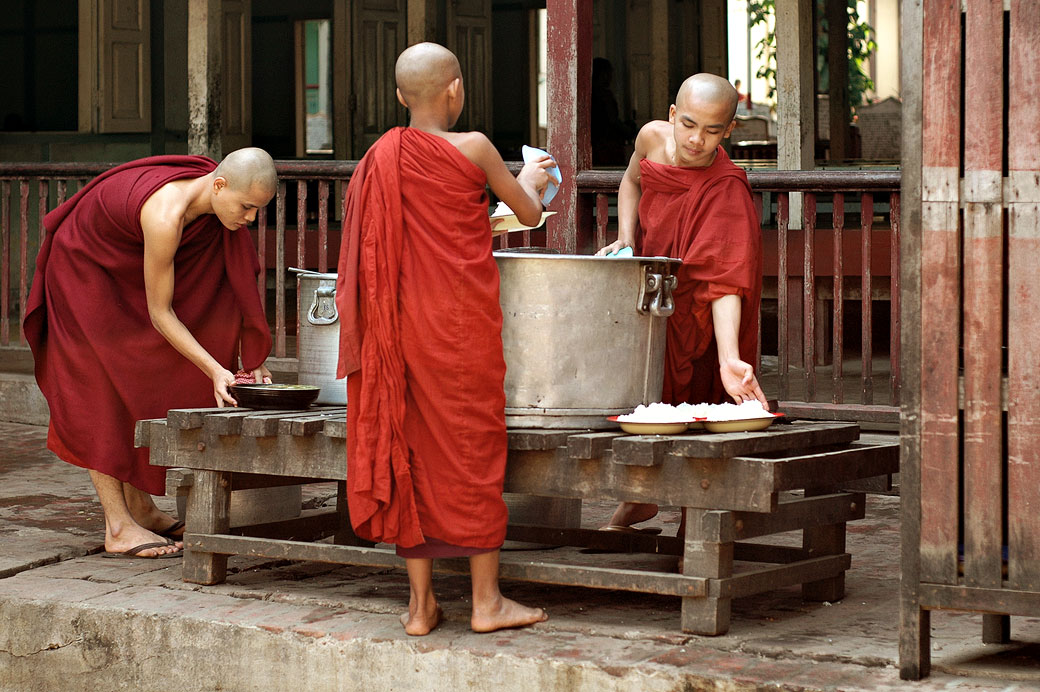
x=421, y=345
x=706, y=217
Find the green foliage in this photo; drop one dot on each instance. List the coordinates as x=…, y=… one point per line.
x=861, y=47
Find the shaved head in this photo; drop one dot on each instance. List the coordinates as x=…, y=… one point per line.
x=424, y=70
x=245, y=168
x=709, y=88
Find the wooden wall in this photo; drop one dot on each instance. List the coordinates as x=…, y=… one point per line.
x=971, y=316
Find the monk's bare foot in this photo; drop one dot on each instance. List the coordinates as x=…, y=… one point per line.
x=507, y=613
x=132, y=536
x=628, y=513
x=417, y=624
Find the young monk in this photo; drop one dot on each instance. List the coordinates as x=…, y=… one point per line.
x=421, y=342
x=690, y=201
x=116, y=339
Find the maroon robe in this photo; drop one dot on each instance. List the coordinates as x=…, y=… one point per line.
x=99, y=361
x=421, y=344
x=706, y=217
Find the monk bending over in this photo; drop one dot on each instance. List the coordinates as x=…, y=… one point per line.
x=421, y=342
x=116, y=339
x=682, y=197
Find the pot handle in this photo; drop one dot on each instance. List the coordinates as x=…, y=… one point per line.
x=323, y=309
x=655, y=295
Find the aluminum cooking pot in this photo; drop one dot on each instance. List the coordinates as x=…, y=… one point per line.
x=583, y=336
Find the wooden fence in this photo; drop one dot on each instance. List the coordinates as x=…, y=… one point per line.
x=971, y=318
x=842, y=256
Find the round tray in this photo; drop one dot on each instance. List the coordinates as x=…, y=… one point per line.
x=274, y=396
x=638, y=428
x=742, y=425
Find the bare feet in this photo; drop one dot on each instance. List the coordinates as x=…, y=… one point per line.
x=508, y=613
x=628, y=513
x=417, y=624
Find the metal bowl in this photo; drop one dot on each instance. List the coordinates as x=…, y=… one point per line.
x=274, y=396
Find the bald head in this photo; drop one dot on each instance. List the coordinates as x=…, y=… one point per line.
x=424, y=70
x=245, y=168
x=707, y=88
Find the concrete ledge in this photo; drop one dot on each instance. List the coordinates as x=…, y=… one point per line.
x=21, y=400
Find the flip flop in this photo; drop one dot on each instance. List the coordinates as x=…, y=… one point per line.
x=621, y=528
x=132, y=553
x=169, y=532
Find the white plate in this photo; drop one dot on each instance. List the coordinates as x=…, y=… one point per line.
x=509, y=223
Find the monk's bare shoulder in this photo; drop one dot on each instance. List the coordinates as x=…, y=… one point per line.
x=475, y=146
x=164, y=210
x=652, y=141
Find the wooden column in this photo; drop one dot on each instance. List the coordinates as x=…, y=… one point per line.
x=838, y=82
x=569, y=90
x=796, y=115
x=204, y=78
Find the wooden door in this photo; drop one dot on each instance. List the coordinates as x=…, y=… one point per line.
x=469, y=37
x=379, y=30
x=117, y=97
x=237, y=104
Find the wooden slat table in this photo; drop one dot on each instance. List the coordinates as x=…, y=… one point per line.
x=733, y=486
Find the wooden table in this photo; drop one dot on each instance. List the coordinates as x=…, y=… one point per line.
x=734, y=487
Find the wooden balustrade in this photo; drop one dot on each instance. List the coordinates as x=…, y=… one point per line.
x=844, y=247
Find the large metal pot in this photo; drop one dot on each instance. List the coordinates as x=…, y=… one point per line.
x=583, y=336
x=318, y=342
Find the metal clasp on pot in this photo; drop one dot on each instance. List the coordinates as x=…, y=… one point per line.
x=323, y=309
x=655, y=294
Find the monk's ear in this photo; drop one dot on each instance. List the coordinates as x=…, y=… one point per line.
x=453, y=87
x=400, y=98
x=729, y=130
x=671, y=113
x=219, y=183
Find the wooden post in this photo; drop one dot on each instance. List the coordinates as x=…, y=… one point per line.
x=707, y=552
x=209, y=503
x=914, y=625
x=569, y=91
x=838, y=77
x=796, y=114
x=204, y=77
x=1023, y=301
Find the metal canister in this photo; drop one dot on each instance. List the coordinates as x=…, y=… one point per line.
x=318, y=341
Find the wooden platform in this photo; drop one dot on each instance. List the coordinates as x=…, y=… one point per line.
x=734, y=486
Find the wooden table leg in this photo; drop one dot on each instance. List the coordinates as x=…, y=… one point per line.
x=819, y=541
x=208, y=511
x=707, y=552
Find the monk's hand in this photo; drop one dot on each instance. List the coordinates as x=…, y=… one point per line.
x=739, y=380
x=536, y=174
x=262, y=375
x=613, y=247
x=223, y=379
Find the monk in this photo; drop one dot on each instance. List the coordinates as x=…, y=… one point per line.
x=421, y=342
x=681, y=196
x=145, y=299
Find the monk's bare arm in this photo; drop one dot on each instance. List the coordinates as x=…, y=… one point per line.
x=161, y=219
x=629, y=193
x=738, y=377
x=522, y=194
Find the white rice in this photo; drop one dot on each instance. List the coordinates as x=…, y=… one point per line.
x=684, y=413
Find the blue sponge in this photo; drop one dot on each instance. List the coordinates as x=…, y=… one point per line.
x=532, y=153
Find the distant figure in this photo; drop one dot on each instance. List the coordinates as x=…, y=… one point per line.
x=741, y=96
x=421, y=342
x=610, y=134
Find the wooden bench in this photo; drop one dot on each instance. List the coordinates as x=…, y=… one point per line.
x=734, y=486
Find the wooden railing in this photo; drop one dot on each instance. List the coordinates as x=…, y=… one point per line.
x=805, y=361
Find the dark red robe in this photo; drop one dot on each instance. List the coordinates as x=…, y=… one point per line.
x=99, y=361
x=421, y=346
x=707, y=217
